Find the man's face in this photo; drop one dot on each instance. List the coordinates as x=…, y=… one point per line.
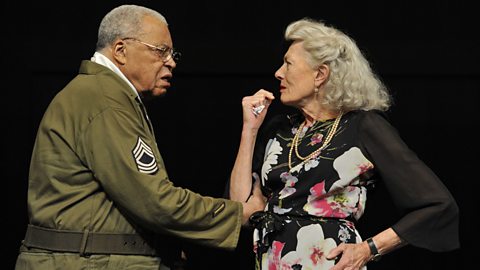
x=148, y=60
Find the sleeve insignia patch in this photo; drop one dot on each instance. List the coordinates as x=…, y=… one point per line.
x=144, y=157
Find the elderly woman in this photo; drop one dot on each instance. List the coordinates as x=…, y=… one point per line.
x=317, y=165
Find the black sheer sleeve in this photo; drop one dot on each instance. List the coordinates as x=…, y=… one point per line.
x=429, y=212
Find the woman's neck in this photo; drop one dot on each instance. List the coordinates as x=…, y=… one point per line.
x=320, y=114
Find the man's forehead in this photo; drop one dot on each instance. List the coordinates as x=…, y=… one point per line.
x=157, y=31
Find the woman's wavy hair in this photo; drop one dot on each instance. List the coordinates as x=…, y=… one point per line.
x=352, y=85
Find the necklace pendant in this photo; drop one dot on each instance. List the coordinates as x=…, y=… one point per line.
x=297, y=139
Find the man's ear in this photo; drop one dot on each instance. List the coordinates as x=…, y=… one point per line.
x=323, y=71
x=119, y=51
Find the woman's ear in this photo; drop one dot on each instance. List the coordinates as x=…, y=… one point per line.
x=323, y=71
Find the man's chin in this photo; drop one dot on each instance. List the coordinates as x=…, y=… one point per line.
x=156, y=92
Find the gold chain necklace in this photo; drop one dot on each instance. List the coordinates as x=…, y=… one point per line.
x=296, y=141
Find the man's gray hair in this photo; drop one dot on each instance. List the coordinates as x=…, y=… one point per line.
x=123, y=21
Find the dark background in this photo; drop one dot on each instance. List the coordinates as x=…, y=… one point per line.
x=426, y=52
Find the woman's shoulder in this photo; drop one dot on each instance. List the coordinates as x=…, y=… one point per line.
x=277, y=124
x=283, y=120
x=370, y=115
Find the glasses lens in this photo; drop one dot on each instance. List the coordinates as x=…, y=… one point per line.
x=165, y=53
x=169, y=54
x=176, y=55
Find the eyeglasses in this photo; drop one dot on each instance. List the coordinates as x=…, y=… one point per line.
x=165, y=53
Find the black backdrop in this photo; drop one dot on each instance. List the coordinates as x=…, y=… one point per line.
x=426, y=53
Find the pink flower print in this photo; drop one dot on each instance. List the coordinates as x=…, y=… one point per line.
x=294, y=130
x=365, y=167
x=286, y=191
x=315, y=204
x=288, y=179
x=317, y=190
x=277, y=248
x=274, y=256
x=316, y=255
x=336, y=205
x=349, y=166
x=312, y=249
x=316, y=138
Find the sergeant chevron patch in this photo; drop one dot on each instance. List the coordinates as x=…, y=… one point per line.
x=144, y=157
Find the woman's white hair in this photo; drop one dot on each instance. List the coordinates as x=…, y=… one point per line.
x=123, y=21
x=352, y=85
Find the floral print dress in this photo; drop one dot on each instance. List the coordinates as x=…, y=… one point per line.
x=313, y=205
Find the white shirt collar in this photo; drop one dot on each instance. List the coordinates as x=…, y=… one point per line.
x=104, y=61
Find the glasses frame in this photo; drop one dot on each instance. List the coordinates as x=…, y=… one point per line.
x=165, y=52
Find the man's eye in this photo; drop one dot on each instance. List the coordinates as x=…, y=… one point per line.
x=161, y=51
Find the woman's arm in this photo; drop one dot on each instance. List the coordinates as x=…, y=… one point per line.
x=241, y=175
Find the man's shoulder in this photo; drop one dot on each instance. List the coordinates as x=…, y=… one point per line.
x=96, y=82
x=93, y=90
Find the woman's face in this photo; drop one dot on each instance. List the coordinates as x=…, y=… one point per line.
x=297, y=77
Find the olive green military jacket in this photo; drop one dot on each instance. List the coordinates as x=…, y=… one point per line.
x=96, y=166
